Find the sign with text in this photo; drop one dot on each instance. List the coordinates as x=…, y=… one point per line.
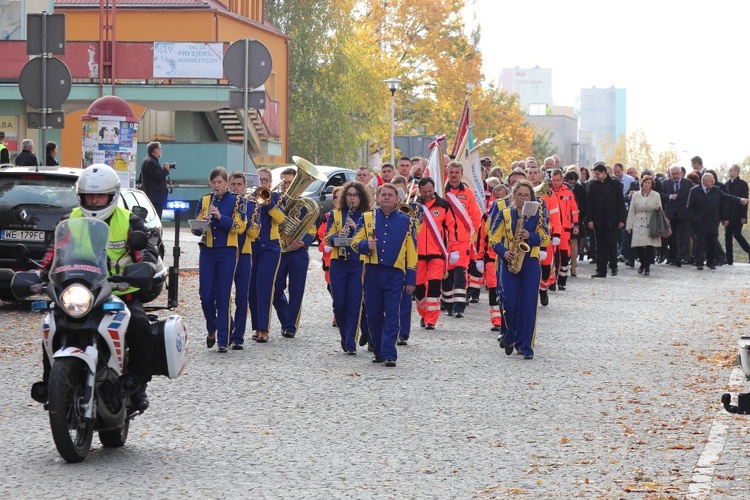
x=188, y=60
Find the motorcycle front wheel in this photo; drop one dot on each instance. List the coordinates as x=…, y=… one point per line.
x=67, y=384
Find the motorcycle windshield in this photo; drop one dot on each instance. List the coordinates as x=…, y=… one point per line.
x=80, y=252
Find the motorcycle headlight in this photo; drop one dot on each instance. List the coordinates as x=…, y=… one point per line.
x=76, y=300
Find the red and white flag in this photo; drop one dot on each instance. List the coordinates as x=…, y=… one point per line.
x=463, y=129
x=435, y=165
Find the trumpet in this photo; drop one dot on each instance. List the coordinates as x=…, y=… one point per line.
x=262, y=195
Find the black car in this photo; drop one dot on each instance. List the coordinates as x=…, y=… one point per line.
x=321, y=192
x=34, y=199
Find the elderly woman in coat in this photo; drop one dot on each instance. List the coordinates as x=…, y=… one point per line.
x=642, y=205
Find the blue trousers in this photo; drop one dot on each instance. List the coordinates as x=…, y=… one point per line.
x=241, y=292
x=383, y=287
x=266, y=258
x=346, y=288
x=215, y=289
x=405, y=316
x=520, y=292
x=294, y=266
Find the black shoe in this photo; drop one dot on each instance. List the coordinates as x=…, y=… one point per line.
x=421, y=322
x=139, y=400
x=699, y=268
x=528, y=356
x=712, y=267
x=210, y=341
x=334, y=324
x=222, y=349
x=458, y=315
x=598, y=275
x=508, y=349
x=237, y=347
x=377, y=359
x=640, y=270
x=474, y=300
x=288, y=334
x=543, y=297
x=629, y=263
x=370, y=348
x=614, y=272
x=647, y=273
x=449, y=312
x=621, y=258
x=495, y=329
x=401, y=341
x=390, y=363
x=351, y=352
x=553, y=287
x=39, y=392
x=678, y=264
x=561, y=288
x=363, y=337
x=501, y=339
x=429, y=326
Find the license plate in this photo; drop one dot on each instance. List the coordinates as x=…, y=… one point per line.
x=21, y=235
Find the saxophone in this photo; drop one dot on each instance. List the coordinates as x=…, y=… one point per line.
x=519, y=247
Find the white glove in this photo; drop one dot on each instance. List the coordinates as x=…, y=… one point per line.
x=327, y=249
x=480, y=265
x=374, y=181
x=555, y=241
x=542, y=254
x=453, y=258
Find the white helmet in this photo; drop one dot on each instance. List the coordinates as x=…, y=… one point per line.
x=98, y=179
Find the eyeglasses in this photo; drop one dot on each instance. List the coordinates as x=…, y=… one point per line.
x=522, y=196
x=352, y=195
x=265, y=181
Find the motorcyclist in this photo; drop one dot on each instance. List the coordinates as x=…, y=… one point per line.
x=98, y=190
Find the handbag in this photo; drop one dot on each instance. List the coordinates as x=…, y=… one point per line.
x=658, y=225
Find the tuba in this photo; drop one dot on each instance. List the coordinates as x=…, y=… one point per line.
x=519, y=248
x=301, y=213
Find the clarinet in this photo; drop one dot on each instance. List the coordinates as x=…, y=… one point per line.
x=214, y=199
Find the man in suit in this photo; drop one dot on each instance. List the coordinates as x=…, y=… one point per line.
x=606, y=215
x=154, y=177
x=734, y=216
x=27, y=158
x=675, y=190
x=704, y=210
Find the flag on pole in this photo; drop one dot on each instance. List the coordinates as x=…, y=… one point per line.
x=435, y=165
x=463, y=128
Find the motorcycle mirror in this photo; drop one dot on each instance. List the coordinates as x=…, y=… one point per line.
x=21, y=253
x=138, y=240
x=140, y=212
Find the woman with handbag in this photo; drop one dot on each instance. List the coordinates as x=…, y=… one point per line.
x=643, y=205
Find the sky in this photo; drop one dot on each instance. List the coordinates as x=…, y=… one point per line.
x=684, y=64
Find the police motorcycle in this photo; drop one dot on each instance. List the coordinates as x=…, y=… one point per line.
x=743, y=400
x=83, y=329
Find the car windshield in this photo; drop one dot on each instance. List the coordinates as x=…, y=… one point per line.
x=37, y=190
x=313, y=187
x=80, y=251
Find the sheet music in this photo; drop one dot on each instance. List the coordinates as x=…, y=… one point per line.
x=529, y=208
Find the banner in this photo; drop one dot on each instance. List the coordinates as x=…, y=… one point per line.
x=188, y=60
x=112, y=140
x=435, y=165
x=463, y=127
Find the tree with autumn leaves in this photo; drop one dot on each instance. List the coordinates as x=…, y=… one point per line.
x=342, y=50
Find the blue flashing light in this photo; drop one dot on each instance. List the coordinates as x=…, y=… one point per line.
x=40, y=305
x=113, y=306
x=178, y=205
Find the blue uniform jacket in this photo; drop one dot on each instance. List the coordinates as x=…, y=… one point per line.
x=223, y=232
x=396, y=243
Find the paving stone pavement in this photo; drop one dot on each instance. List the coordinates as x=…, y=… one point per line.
x=618, y=402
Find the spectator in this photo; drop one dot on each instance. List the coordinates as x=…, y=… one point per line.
x=154, y=177
x=50, y=159
x=4, y=152
x=642, y=206
x=26, y=158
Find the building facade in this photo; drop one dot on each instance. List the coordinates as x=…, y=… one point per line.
x=603, y=118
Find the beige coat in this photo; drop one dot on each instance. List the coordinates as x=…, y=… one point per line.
x=639, y=215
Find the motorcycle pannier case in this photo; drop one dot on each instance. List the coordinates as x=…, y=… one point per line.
x=744, y=344
x=170, y=347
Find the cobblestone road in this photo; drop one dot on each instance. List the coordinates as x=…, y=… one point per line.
x=620, y=400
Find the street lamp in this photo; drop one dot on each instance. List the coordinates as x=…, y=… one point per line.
x=393, y=85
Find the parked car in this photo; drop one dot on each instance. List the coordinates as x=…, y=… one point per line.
x=34, y=199
x=321, y=192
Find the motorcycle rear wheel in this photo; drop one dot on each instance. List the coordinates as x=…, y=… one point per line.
x=116, y=437
x=72, y=435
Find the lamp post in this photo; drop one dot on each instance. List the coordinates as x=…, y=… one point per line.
x=393, y=85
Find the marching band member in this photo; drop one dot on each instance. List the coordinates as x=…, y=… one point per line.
x=569, y=219
x=466, y=212
x=238, y=186
x=519, y=287
x=266, y=253
x=226, y=214
x=434, y=243
x=346, y=266
x=536, y=179
x=384, y=241
x=406, y=298
x=293, y=265
x=325, y=249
